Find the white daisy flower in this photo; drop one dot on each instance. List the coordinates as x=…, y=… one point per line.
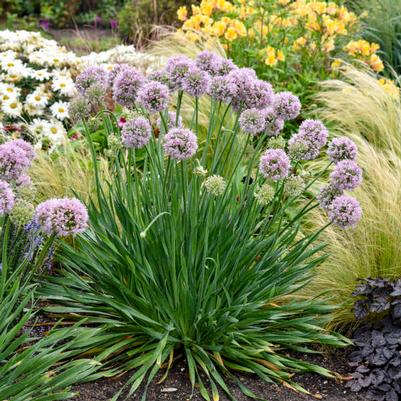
x=65, y=86
x=60, y=110
x=37, y=99
x=41, y=75
x=55, y=132
x=12, y=108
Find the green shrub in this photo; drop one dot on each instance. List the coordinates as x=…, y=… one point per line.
x=177, y=264
x=138, y=18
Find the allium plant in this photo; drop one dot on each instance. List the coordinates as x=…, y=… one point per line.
x=197, y=253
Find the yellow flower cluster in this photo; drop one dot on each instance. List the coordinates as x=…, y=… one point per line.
x=311, y=27
x=365, y=51
x=390, y=87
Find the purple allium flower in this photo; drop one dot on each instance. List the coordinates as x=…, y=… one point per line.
x=171, y=119
x=311, y=137
x=259, y=94
x=345, y=211
x=346, y=175
x=274, y=164
x=23, y=181
x=326, y=196
x=126, y=86
x=286, y=105
x=117, y=68
x=241, y=81
x=93, y=75
x=252, y=121
x=177, y=68
x=220, y=89
x=7, y=198
x=153, y=96
x=209, y=62
x=62, y=217
x=180, y=143
x=226, y=66
x=26, y=147
x=315, y=132
x=342, y=149
x=13, y=161
x=161, y=76
x=136, y=133
x=273, y=124
x=196, y=82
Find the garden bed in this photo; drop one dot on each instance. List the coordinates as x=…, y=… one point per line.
x=177, y=387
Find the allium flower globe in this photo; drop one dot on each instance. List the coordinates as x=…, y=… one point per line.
x=286, y=106
x=180, y=143
x=26, y=147
x=346, y=175
x=177, y=69
x=13, y=161
x=126, y=86
x=342, y=149
x=273, y=124
x=7, y=198
x=153, y=96
x=259, y=94
x=345, y=211
x=196, y=82
x=220, y=89
x=93, y=75
x=209, y=62
x=62, y=217
x=274, y=164
x=326, y=196
x=215, y=185
x=252, y=121
x=136, y=133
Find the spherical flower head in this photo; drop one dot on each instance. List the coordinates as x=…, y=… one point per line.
x=153, y=96
x=126, y=86
x=171, y=120
x=314, y=132
x=226, y=66
x=346, y=175
x=276, y=143
x=342, y=149
x=294, y=185
x=177, y=68
x=258, y=94
x=209, y=62
x=62, y=217
x=326, y=196
x=136, y=133
x=241, y=81
x=274, y=164
x=7, y=198
x=286, y=106
x=91, y=76
x=26, y=147
x=13, y=161
x=22, y=212
x=79, y=109
x=96, y=96
x=252, y=121
x=180, y=143
x=300, y=148
x=264, y=194
x=345, y=211
x=196, y=82
x=163, y=77
x=117, y=68
x=215, y=185
x=220, y=89
x=273, y=124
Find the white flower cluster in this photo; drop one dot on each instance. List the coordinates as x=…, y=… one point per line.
x=37, y=82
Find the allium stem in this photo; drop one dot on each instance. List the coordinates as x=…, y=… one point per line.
x=4, y=257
